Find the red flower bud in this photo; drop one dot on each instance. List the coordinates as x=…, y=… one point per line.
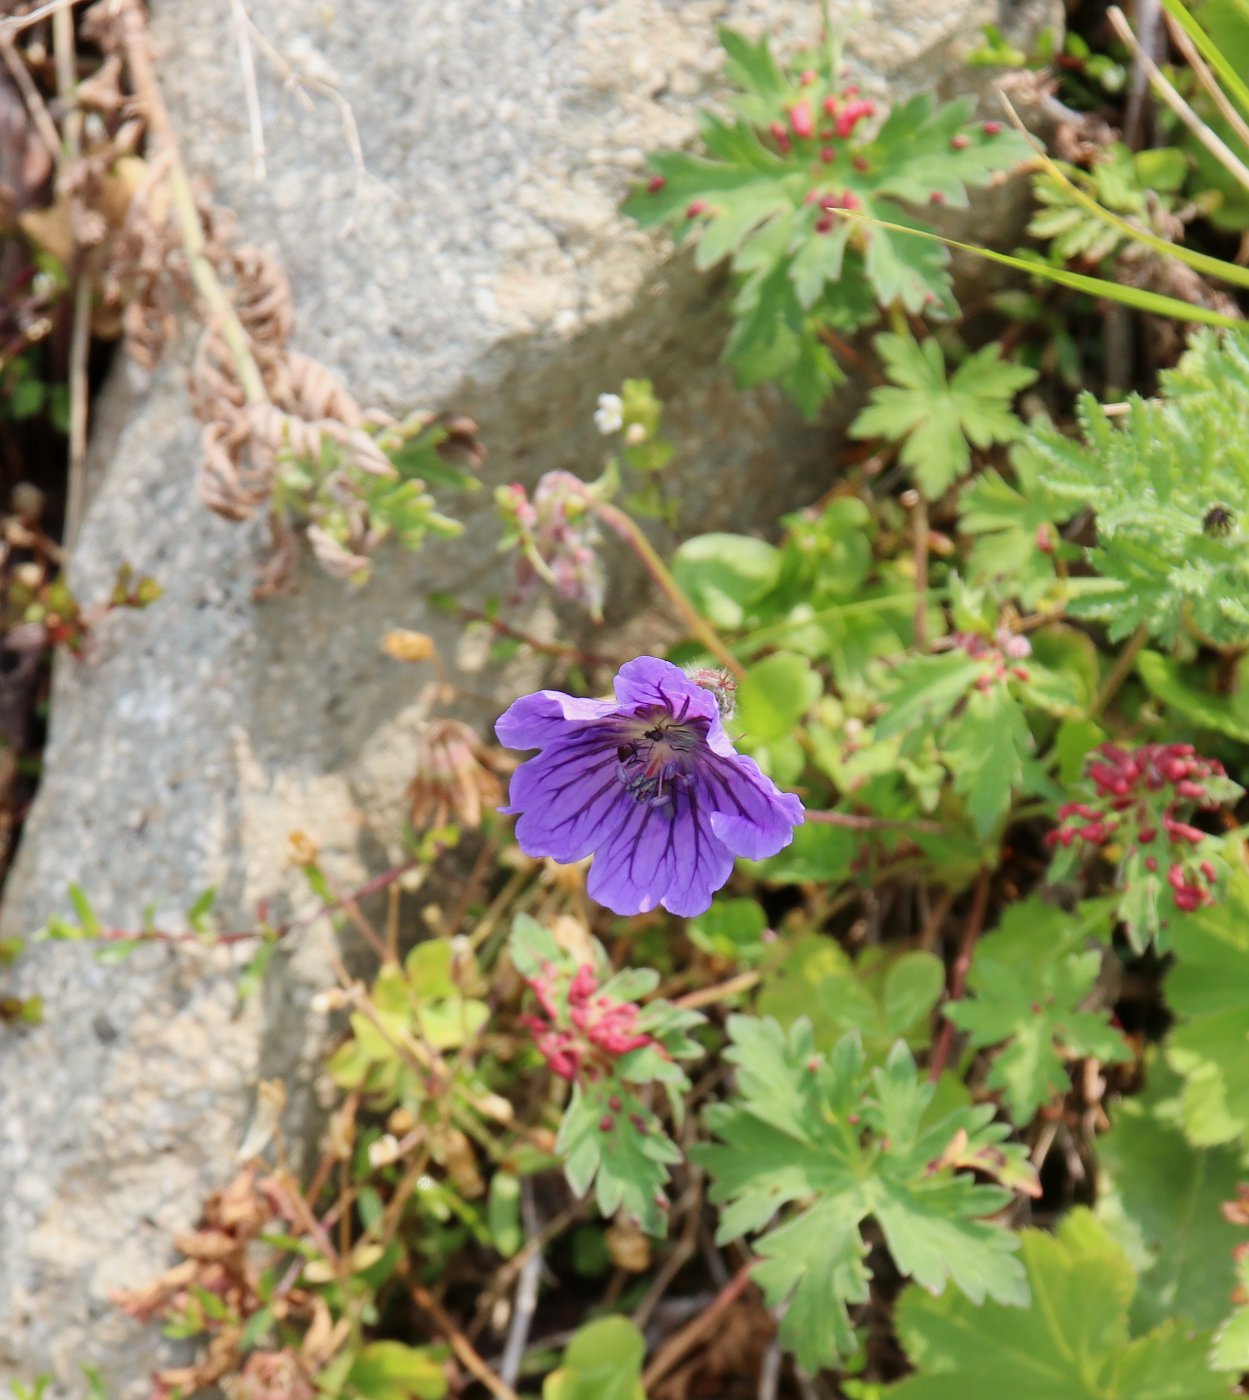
x=800, y=119
x=657, y=182
x=960, y=141
x=992, y=128
x=698, y=207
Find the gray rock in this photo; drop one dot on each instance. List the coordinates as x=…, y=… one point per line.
x=475, y=260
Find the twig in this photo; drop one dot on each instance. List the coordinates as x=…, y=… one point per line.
x=708, y=996
x=247, y=62
x=526, y=1302
x=919, y=518
x=221, y=309
x=66, y=59
x=958, y=973
x=563, y=649
x=677, y=1347
x=1120, y=671
x=31, y=95
x=516, y=1264
x=1166, y=90
x=682, y=1252
x=374, y=885
x=770, y=1371
x=79, y=347
x=1205, y=76
x=1134, y=134
x=463, y=1348
x=932, y=925
x=853, y=822
x=14, y=24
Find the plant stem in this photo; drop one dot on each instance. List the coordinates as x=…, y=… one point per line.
x=1213, y=143
x=676, y=1347
x=919, y=519
x=561, y=649
x=958, y=973
x=853, y=822
x=626, y=527
x=468, y=1355
x=708, y=996
x=203, y=274
x=1120, y=671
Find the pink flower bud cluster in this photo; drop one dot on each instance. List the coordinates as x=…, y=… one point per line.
x=581, y=1032
x=557, y=526
x=999, y=655
x=1138, y=794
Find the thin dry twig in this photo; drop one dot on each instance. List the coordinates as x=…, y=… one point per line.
x=1205, y=76
x=1170, y=95
x=247, y=64
x=14, y=24
x=526, y=1302
x=468, y=1355
x=677, y=1347
x=853, y=822
x=31, y=95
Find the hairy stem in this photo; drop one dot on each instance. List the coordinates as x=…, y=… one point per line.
x=626, y=527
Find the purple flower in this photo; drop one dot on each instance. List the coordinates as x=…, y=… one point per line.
x=648, y=784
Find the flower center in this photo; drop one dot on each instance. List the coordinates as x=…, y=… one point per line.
x=657, y=755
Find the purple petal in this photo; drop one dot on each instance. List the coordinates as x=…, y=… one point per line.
x=569, y=797
x=648, y=681
x=661, y=855
x=534, y=721
x=747, y=811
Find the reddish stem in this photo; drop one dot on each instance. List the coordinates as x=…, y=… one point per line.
x=958, y=973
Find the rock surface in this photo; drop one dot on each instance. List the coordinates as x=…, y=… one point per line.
x=475, y=260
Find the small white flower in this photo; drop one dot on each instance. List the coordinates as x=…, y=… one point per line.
x=383, y=1151
x=609, y=415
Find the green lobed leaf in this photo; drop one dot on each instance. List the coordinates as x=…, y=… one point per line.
x=603, y=1361
x=837, y=1143
x=985, y=747
x=1073, y=1343
x=1208, y=990
x=940, y=420
x=1161, y=1199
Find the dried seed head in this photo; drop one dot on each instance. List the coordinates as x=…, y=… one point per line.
x=454, y=778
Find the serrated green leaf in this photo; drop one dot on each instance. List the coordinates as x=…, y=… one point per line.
x=838, y=1143
x=939, y=420
x=1208, y=989
x=1034, y=1013
x=922, y=692
x=985, y=747
x=1162, y=1199
x=1072, y=1344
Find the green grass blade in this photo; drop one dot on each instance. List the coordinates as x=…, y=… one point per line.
x=1233, y=83
x=1218, y=268
x=1155, y=303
